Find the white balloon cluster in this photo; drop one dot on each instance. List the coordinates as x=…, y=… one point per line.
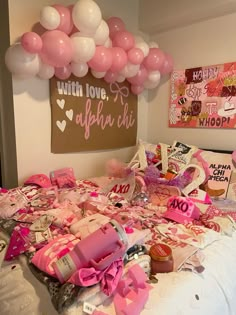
x=76, y=38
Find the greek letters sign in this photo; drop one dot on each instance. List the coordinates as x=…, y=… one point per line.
x=219, y=178
x=122, y=186
x=204, y=97
x=89, y=114
x=180, y=205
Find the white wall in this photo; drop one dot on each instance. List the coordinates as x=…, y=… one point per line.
x=201, y=44
x=162, y=15
x=204, y=43
x=32, y=107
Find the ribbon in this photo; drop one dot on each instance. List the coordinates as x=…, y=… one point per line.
x=119, y=91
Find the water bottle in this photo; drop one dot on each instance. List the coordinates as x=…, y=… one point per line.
x=97, y=250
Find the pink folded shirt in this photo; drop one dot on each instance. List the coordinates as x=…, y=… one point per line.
x=46, y=256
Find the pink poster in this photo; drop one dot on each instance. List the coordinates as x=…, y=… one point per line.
x=203, y=97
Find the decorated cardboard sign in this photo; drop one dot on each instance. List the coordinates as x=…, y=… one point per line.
x=90, y=114
x=162, y=193
x=204, y=97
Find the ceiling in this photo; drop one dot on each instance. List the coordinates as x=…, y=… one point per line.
x=162, y=15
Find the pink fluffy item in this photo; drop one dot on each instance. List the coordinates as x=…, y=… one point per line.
x=116, y=168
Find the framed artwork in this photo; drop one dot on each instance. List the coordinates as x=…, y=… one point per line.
x=203, y=97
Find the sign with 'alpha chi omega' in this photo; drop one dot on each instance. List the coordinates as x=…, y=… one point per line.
x=90, y=114
x=204, y=97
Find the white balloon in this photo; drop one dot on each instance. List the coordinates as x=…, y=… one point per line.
x=84, y=48
x=108, y=43
x=79, y=69
x=98, y=74
x=102, y=33
x=143, y=46
x=49, y=18
x=19, y=62
x=120, y=78
x=154, y=76
x=86, y=16
x=45, y=71
x=130, y=70
x=151, y=85
x=153, y=45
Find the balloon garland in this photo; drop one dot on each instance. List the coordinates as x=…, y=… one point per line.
x=76, y=38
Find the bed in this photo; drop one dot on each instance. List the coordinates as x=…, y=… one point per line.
x=25, y=289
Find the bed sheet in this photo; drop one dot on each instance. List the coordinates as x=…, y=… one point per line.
x=20, y=292
x=177, y=293
x=186, y=293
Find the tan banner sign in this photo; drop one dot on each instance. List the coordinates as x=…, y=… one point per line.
x=89, y=114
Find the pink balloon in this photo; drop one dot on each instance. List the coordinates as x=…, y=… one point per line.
x=31, y=42
x=140, y=77
x=101, y=60
x=66, y=23
x=115, y=25
x=63, y=73
x=154, y=59
x=137, y=89
x=135, y=56
x=123, y=39
x=168, y=64
x=110, y=76
x=119, y=59
x=57, y=48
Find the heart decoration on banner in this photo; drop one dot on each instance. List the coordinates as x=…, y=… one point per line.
x=61, y=103
x=61, y=125
x=69, y=114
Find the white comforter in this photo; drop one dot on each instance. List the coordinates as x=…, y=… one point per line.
x=183, y=293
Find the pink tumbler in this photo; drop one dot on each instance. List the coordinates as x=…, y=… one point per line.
x=97, y=250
